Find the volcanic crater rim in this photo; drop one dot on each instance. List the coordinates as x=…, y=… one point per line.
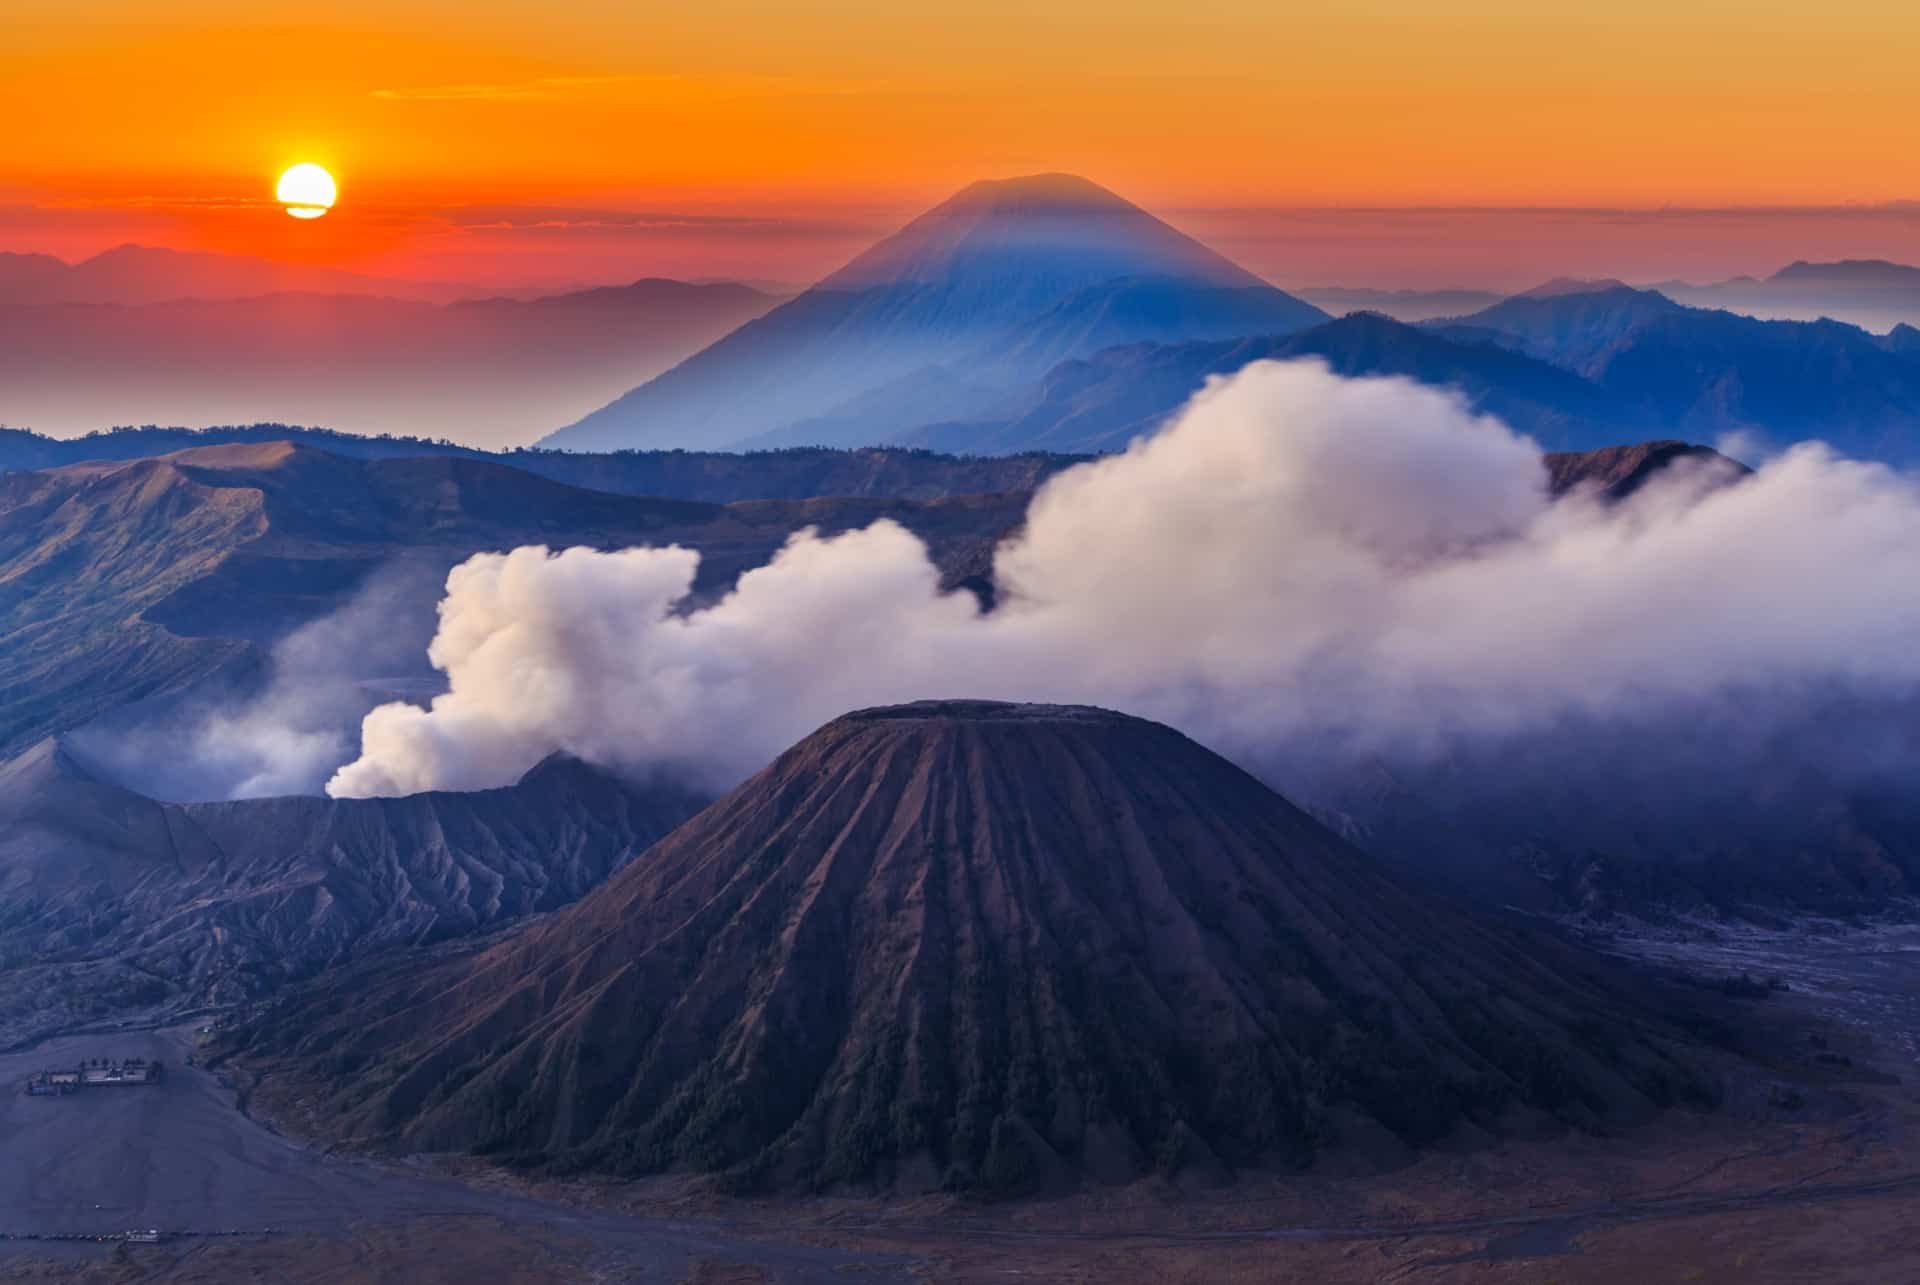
x=991, y=711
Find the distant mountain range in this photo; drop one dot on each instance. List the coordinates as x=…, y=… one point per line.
x=1874, y=294
x=1048, y=314
x=1705, y=372
x=1043, y=313
x=1576, y=370
x=962, y=307
x=1102, y=402
x=483, y=370
x=1870, y=293
x=1401, y=305
x=131, y=275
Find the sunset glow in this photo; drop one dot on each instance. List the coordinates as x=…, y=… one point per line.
x=765, y=140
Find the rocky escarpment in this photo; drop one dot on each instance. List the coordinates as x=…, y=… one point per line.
x=113, y=905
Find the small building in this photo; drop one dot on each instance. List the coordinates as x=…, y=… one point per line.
x=148, y=1237
x=99, y=1074
x=117, y=1074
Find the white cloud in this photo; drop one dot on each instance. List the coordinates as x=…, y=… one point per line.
x=1297, y=558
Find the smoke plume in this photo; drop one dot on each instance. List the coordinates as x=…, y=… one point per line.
x=287, y=732
x=1298, y=560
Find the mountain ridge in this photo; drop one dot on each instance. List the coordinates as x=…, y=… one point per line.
x=490, y=368
x=1101, y=402
x=1707, y=371
x=133, y=273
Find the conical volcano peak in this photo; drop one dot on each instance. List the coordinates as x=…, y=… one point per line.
x=977, y=297
x=1047, y=235
x=989, y=711
x=1037, y=194
x=979, y=946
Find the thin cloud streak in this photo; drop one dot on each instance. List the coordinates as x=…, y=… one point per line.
x=540, y=89
x=573, y=89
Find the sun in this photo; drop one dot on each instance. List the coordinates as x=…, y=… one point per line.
x=307, y=191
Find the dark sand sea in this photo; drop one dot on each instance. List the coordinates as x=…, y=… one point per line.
x=180, y=1157
x=1864, y=977
x=1828, y=1200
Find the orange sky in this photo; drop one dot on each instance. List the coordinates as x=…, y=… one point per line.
x=582, y=139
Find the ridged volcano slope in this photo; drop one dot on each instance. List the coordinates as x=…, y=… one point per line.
x=983, y=946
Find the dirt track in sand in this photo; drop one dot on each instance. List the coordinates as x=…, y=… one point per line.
x=180, y=1157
